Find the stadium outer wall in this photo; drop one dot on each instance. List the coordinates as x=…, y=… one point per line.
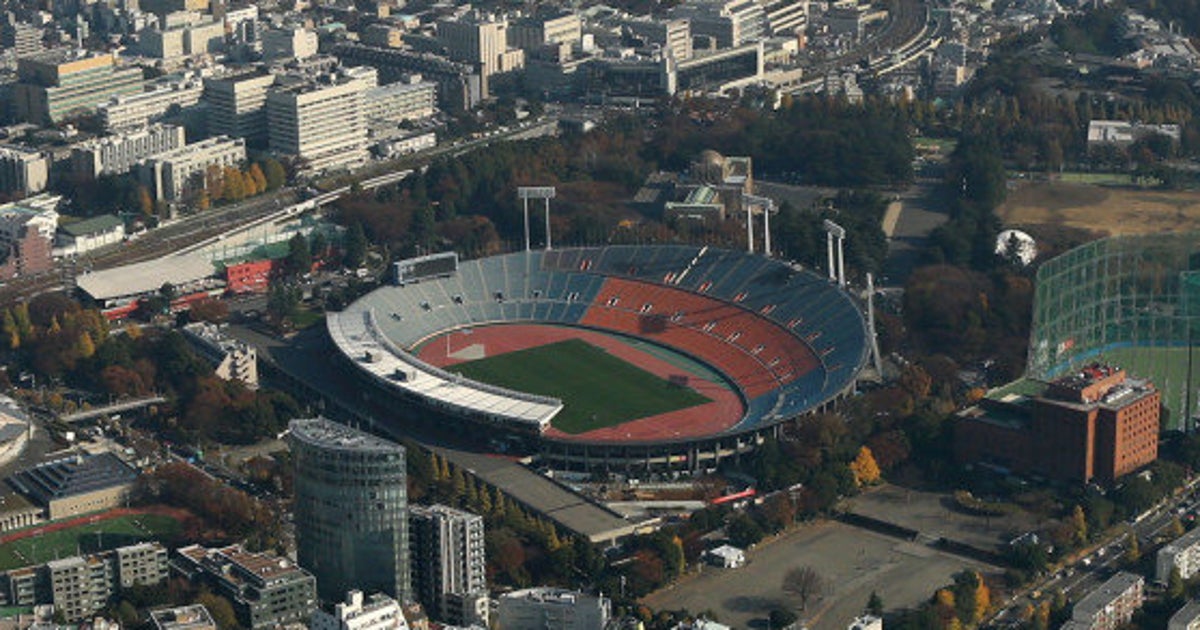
x=1132, y=299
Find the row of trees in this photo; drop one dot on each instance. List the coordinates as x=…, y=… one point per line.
x=231, y=184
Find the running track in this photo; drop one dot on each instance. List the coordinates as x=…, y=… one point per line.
x=724, y=410
x=39, y=530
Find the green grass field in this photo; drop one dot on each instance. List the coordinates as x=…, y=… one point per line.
x=598, y=390
x=88, y=538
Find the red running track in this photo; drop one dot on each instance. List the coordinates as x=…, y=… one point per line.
x=724, y=410
x=38, y=530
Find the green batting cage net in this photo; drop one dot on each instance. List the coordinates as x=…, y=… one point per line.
x=1130, y=301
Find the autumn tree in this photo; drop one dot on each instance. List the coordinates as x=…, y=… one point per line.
x=255, y=174
x=145, y=202
x=803, y=583
x=1079, y=526
x=1176, y=589
x=864, y=467
x=11, y=334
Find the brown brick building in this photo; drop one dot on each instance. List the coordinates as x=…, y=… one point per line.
x=1096, y=424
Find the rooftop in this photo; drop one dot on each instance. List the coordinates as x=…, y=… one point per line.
x=144, y=277
x=94, y=225
x=194, y=616
x=73, y=475
x=1099, y=599
x=330, y=434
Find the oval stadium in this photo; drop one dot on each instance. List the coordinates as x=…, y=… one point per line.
x=647, y=358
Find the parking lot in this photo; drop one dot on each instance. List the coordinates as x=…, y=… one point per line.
x=851, y=561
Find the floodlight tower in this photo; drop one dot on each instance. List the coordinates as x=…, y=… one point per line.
x=835, y=231
x=768, y=206
x=546, y=193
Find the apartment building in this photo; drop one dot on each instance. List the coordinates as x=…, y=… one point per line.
x=233, y=360
x=1186, y=618
x=81, y=585
x=449, y=565
x=23, y=170
x=169, y=175
x=120, y=153
x=266, y=590
x=1109, y=606
x=377, y=612
x=547, y=607
x=1183, y=553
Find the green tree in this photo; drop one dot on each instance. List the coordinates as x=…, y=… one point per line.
x=220, y=609
x=274, y=173
x=1079, y=526
x=10, y=331
x=299, y=258
x=1176, y=589
x=354, y=247
x=875, y=604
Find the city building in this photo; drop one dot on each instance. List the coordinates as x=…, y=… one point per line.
x=77, y=484
x=1183, y=553
x=546, y=607
x=1186, y=618
x=728, y=23
x=79, y=586
x=60, y=84
x=237, y=106
x=1109, y=606
x=480, y=39
x=194, y=617
x=80, y=237
x=232, y=359
x=449, y=565
x=21, y=38
x=169, y=175
x=287, y=43
x=350, y=509
x=672, y=36
x=536, y=31
x=266, y=590
x=119, y=153
x=786, y=17
x=1124, y=133
x=411, y=98
x=23, y=170
x=27, y=235
x=323, y=122
x=1095, y=424
x=460, y=86
x=175, y=94
x=377, y=612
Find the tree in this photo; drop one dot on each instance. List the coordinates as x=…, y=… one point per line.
x=274, y=173
x=299, y=258
x=875, y=604
x=1175, y=586
x=11, y=333
x=256, y=175
x=85, y=347
x=803, y=583
x=1133, y=553
x=1176, y=528
x=145, y=202
x=354, y=247
x=1079, y=526
x=864, y=467
x=220, y=609
x=780, y=618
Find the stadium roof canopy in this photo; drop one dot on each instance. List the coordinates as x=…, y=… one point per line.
x=359, y=337
x=145, y=277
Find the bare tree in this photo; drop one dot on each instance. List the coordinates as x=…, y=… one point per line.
x=804, y=583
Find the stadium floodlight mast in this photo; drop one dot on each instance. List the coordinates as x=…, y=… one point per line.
x=835, y=231
x=546, y=193
x=768, y=206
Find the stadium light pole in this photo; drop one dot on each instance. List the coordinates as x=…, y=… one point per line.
x=838, y=271
x=545, y=193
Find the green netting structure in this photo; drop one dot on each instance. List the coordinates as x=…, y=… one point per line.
x=1131, y=301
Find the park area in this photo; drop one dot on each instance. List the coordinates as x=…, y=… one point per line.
x=89, y=534
x=598, y=389
x=1108, y=209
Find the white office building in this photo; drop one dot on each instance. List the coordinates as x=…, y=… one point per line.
x=170, y=174
x=377, y=612
x=120, y=153
x=321, y=122
x=131, y=111
x=1182, y=553
x=23, y=170
x=237, y=105
x=411, y=98
x=729, y=23
x=543, y=607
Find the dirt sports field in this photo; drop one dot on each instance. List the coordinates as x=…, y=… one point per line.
x=723, y=409
x=1115, y=211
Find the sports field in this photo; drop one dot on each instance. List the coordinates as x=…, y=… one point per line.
x=86, y=538
x=1111, y=210
x=598, y=389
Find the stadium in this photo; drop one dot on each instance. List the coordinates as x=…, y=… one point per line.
x=633, y=358
x=1130, y=301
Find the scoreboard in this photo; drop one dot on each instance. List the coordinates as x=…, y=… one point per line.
x=425, y=267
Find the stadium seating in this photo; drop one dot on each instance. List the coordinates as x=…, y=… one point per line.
x=788, y=339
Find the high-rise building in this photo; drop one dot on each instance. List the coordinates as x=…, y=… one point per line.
x=351, y=509
x=55, y=85
x=19, y=37
x=289, y=43
x=480, y=39
x=546, y=607
x=237, y=106
x=377, y=612
x=23, y=170
x=449, y=566
x=321, y=122
x=786, y=17
x=460, y=86
x=730, y=23
x=536, y=31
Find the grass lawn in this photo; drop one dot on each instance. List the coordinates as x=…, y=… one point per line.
x=597, y=389
x=87, y=538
